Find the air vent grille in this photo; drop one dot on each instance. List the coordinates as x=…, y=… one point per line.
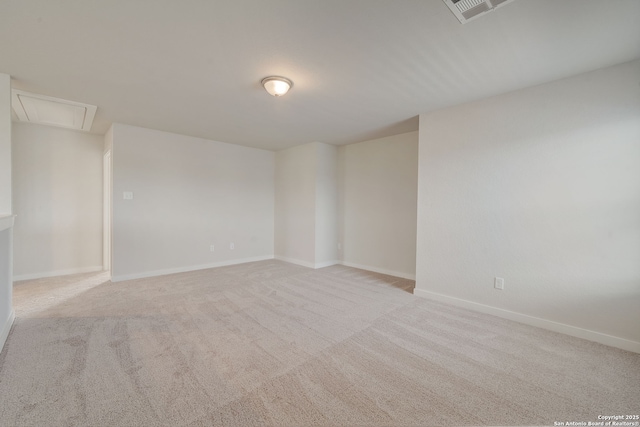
x=466, y=10
x=476, y=10
x=465, y=5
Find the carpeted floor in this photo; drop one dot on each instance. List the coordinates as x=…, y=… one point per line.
x=270, y=343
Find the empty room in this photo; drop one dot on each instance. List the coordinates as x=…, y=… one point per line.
x=320, y=213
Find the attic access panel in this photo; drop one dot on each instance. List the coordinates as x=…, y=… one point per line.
x=467, y=10
x=46, y=110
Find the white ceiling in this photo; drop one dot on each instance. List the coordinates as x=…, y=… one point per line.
x=361, y=69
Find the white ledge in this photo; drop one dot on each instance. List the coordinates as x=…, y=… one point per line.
x=6, y=221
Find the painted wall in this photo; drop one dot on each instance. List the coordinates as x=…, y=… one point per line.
x=307, y=205
x=541, y=187
x=378, y=204
x=5, y=144
x=188, y=193
x=6, y=222
x=295, y=181
x=57, y=181
x=107, y=198
x=326, y=209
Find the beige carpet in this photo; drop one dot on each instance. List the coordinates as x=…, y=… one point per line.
x=270, y=343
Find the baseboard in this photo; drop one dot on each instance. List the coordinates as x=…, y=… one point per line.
x=164, y=272
x=574, y=331
x=56, y=273
x=326, y=264
x=295, y=261
x=6, y=328
x=306, y=263
x=379, y=270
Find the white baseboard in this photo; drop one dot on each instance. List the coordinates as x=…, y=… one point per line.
x=574, y=331
x=326, y=264
x=164, y=272
x=6, y=328
x=56, y=273
x=379, y=270
x=295, y=261
x=306, y=263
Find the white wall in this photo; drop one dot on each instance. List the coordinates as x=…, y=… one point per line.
x=326, y=205
x=6, y=222
x=189, y=193
x=5, y=144
x=295, y=182
x=107, y=199
x=307, y=205
x=378, y=204
x=57, y=181
x=541, y=187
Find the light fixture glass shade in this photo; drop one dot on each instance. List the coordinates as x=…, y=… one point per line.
x=277, y=86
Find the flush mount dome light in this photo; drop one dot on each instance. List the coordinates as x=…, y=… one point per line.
x=277, y=86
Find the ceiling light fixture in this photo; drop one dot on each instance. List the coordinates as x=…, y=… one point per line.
x=277, y=86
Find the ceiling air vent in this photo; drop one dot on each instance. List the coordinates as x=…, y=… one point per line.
x=467, y=10
x=45, y=110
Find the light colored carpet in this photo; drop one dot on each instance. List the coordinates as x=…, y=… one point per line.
x=270, y=343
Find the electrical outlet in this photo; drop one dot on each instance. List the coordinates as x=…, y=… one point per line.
x=127, y=195
x=212, y=248
x=232, y=246
x=498, y=283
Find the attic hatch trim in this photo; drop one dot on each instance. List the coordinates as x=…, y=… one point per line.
x=50, y=111
x=468, y=10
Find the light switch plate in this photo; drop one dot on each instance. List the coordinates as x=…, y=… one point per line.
x=127, y=195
